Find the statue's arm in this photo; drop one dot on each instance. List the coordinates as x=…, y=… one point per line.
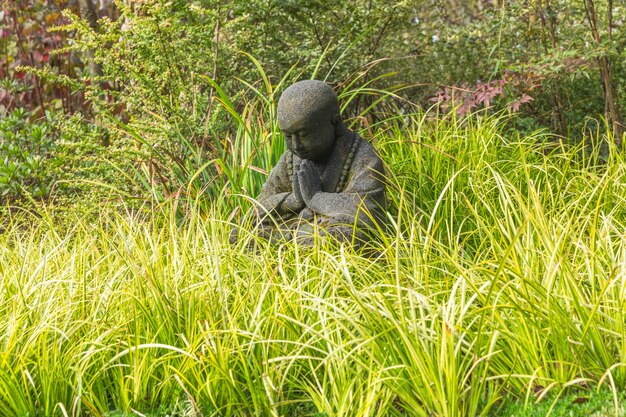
x=362, y=198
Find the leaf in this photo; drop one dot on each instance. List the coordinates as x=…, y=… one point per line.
x=525, y=98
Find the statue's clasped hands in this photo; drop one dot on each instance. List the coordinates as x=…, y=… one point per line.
x=306, y=183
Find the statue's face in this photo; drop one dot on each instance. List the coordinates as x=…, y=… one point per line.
x=309, y=137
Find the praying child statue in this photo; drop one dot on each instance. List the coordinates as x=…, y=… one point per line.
x=329, y=182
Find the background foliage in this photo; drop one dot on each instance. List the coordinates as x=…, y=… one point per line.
x=155, y=66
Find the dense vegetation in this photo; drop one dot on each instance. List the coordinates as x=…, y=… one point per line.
x=164, y=69
x=503, y=274
x=134, y=134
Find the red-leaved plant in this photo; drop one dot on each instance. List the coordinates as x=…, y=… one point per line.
x=466, y=98
x=25, y=40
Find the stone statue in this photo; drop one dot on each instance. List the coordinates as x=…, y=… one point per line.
x=329, y=177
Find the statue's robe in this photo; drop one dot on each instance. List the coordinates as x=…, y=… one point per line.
x=352, y=202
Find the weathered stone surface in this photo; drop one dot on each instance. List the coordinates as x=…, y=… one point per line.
x=329, y=177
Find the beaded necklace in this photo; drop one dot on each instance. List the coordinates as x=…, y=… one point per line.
x=347, y=163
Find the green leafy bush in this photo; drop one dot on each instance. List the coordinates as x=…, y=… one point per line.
x=59, y=158
x=27, y=156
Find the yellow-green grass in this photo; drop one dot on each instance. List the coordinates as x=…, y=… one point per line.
x=503, y=274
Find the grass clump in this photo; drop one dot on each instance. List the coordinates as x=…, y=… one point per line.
x=592, y=404
x=503, y=275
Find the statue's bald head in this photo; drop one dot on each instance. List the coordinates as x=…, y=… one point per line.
x=308, y=115
x=310, y=99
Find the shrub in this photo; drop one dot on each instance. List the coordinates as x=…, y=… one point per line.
x=26, y=156
x=26, y=39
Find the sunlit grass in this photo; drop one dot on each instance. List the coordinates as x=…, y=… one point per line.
x=504, y=273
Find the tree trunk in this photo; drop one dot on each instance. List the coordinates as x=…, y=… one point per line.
x=612, y=112
x=88, y=12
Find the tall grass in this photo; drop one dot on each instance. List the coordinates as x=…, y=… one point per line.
x=504, y=273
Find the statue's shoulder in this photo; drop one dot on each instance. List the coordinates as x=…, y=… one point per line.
x=283, y=168
x=284, y=159
x=366, y=151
